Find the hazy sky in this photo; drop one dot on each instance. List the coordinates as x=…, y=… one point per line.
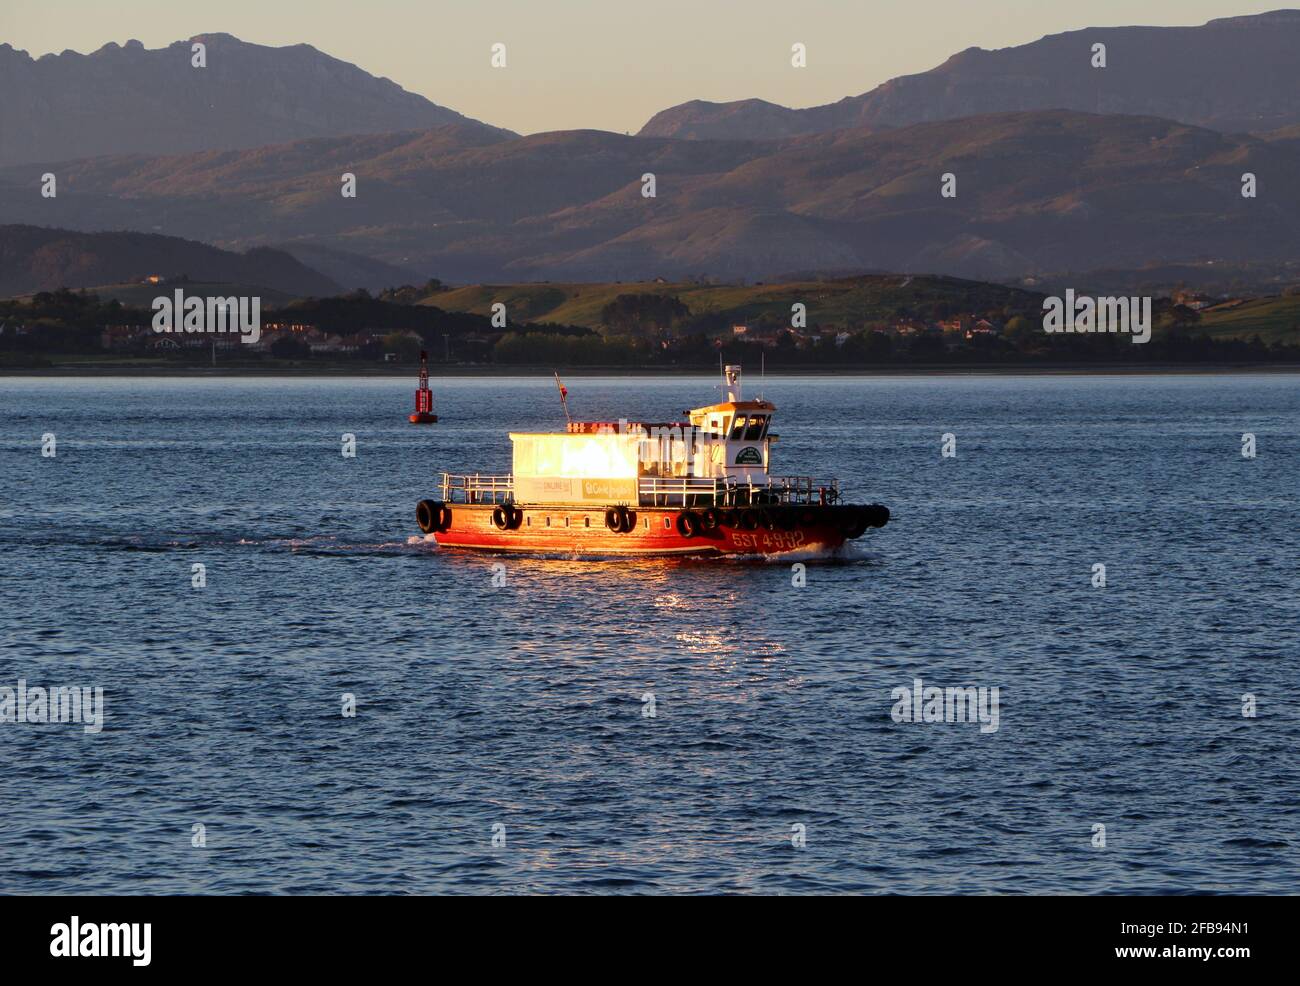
x=605, y=64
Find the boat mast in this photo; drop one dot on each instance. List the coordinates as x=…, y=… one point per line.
x=564, y=397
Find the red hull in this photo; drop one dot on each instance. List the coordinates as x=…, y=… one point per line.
x=574, y=530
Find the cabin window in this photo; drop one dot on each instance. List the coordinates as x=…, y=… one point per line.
x=668, y=524
x=738, y=429
x=566, y=521
x=757, y=428
x=586, y=521
x=548, y=521
x=647, y=523
x=528, y=521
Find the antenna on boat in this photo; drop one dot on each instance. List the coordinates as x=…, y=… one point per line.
x=732, y=376
x=564, y=397
x=762, y=373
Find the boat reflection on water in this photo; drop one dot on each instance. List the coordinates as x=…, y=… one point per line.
x=626, y=614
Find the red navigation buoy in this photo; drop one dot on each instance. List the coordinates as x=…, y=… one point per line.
x=424, y=396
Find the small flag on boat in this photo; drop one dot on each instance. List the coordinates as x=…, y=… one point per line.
x=564, y=396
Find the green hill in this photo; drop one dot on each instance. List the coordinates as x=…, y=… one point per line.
x=845, y=301
x=41, y=258
x=136, y=295
x=1272, y=319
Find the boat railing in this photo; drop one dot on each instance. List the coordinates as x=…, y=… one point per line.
x=477, y=488
x=665, y=491
x=669, y=491
x=696, y=491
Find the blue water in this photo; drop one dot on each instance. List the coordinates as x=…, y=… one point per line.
x=522, y=705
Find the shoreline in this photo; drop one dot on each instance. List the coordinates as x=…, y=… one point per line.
x=846, y=370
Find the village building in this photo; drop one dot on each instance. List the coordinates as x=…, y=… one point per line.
x=123, y=336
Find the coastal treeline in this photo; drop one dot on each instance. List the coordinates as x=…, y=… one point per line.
x=878, y=349
x=359, y=327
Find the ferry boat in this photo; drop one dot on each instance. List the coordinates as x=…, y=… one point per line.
x=695, y=487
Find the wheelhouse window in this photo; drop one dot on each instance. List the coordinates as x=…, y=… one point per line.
x=757, y=428
x=738, y=428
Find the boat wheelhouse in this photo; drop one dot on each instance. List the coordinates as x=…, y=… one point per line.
x=698, y=486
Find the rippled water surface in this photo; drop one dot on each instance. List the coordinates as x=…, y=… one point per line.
x=523, y=705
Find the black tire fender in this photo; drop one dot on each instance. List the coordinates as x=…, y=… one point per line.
x=428, y=515
x=845, y=518
x=862, y=520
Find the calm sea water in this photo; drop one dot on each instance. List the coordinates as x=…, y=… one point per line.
x=519, y=709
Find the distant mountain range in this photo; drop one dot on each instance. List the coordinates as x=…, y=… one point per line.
x=1045, y=185
x=129, y=99
x=39, y=259
x=1036, y=192
x=1235, y=74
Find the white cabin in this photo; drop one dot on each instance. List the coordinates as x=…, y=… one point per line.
x=720, y=455
x=733, y=439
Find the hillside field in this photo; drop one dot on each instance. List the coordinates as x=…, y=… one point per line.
x=836, y=302
x=1275, y=319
